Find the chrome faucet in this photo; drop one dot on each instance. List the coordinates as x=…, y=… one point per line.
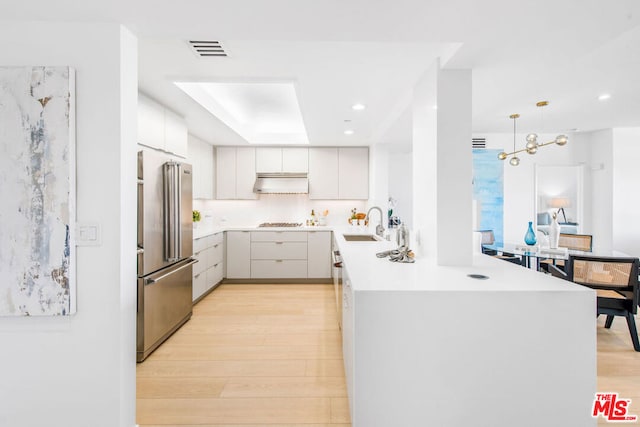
x=379, y=227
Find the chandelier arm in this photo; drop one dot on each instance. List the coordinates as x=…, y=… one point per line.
x=516, y=152
x=547, y=143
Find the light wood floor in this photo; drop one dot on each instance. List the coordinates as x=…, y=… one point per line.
x=251, y=355
x=618, y=365
x=260, y=355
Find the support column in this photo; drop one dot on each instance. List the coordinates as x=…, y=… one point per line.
x=442, y=166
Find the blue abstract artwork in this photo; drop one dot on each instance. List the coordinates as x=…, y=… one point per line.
x=488, y=190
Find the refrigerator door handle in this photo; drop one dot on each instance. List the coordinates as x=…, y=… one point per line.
x=178, y=204
x=164, y=276
x=172, y=236
x=168, y=211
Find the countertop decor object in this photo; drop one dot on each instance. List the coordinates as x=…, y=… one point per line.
x=530, y=236
x=532, y=145
x=554, y=232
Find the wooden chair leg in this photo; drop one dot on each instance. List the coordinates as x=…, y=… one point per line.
x=609, y=321
x=633, y=331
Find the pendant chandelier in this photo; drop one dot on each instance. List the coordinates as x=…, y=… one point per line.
x=532, y=140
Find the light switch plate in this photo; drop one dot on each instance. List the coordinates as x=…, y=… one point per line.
x=88, y=234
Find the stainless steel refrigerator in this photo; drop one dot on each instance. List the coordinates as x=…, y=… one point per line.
x=165, y=247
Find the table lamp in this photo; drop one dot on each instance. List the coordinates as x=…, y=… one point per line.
x=560, y=203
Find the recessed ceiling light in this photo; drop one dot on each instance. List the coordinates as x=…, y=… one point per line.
x=604, y=97
x=358, y=107
x=348, y=132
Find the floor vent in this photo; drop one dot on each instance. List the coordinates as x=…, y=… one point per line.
x=478, y=142
x=206, y=49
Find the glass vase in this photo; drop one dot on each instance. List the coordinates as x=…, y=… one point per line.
x=530, y=236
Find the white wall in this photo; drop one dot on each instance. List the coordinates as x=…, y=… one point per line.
x=519, y=181
x=610, y=180
x=201, y=158
x=401, y=185
x=379, y=182
x=424, y=166
x=80, y=370
x=598, y=182
x=626, y=190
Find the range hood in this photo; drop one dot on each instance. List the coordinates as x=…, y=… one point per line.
x=281, y=183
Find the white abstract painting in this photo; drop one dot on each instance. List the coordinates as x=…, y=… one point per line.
x=37, y=191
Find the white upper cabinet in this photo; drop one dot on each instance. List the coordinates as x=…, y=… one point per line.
x=323, y=173
x=268, y=160
x=161, y=128
x=353, y=173
x=245, y=173
x=295, y=159
x=226, y=172
x=201, y=159
x=285, y=159
x=339, y=173
x=235, y=172
x=334, y=173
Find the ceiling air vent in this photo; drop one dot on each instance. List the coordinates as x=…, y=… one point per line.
x=207, y=49
x=478, y=142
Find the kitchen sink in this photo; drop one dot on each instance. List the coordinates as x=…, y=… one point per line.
x=361, y=238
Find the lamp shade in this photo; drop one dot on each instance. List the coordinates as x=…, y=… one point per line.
x=559, y=202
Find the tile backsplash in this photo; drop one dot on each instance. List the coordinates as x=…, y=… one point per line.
x=273, y=208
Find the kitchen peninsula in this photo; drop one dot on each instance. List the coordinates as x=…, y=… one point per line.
x=426, y=345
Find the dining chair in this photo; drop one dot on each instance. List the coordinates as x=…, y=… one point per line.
x=578, y=242
x=615, y=281
x=488, y=238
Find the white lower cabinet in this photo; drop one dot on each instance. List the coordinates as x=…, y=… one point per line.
x=209, y=270
x=278, y=269
x=319, y=254
x=278, y=254
x=279, y=250
x=238, y=254
x=348, y=326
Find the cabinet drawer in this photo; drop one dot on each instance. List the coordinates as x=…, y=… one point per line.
x=216, y=254
x=278, y=236
x=202, y=263
x=279, y=250
x=203, y=243
x=278, y=269
x=217, y=238
x=214, y=274
x=199, y=284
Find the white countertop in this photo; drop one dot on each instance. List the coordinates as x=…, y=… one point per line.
x=203, y=232
x=370, y=273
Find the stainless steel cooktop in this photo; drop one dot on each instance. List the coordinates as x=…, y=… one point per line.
x=281, y=224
